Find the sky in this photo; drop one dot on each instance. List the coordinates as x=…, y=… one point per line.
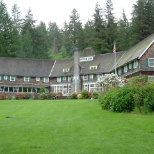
x=59, y=10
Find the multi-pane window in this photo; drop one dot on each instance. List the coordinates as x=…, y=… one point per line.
x=46, y=79
x=86, y=59
x=37, y=79
x=151, y=62
x=93, y=67
x=135, y=64
x=150, y=78
x=85, y=77
x=12, y=78
x=64, y=78
x=119, y=71
x=26, y=79
x=130, y=65
x=5, y=77
x=91, y=76
x=58, y=79
x=125, y=68
x=65, y=70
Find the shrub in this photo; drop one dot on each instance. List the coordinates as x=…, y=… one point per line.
x=42, y=90
x=26, y=96
x=2, y=96
x=43, y=96
x=95, y=95
x=79, y=96
x=85, y=94
x=73, y=96
x=19, y=95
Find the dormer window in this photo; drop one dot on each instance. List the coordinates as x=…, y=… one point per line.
x=86, y=59
x=65, y=70
x=12, y=78
x=37, y=79
x=93, y=67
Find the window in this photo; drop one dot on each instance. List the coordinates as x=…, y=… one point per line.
x=46, y=79
x=93, y=67
x=26, y=79
x=151, y=62
x=91, y=76
x=0, y=78
x=12, y=78
x=130, y=65
x=37, y=79
x=125, y=69
x=65, y=70
x=119, y=71
x=135, y=64
x=150, y=78
x=85, y=77
x=86, y=59
x=5, y=77
x=69, y=79
x=64, y=78
x=58, y=79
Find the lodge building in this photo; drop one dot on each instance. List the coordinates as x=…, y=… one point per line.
x=73, y=75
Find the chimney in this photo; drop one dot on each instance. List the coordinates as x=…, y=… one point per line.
x=76, y=75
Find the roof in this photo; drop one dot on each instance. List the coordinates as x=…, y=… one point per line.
x=104, y=62
x=136, y=51
x=25, y=67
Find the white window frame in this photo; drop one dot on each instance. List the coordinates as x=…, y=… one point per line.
x=65, y=70
x=58, y=79
x=130, y=65
x=119, y=71
x=86, y=59
x=46, y=79
x=149, y=62
x=85, y=77
x=69, y=78
x=64, y=78
x=91, y=76
x=5, y=77
x=93, y=67
x=26, y=79
x=12, y=78
x=37, y=79
x=150, y=78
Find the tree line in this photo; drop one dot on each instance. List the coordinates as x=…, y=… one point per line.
x=21, y=37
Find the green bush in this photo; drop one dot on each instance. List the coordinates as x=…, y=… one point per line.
x=128, y=98
x=95, y=95
x=73, y=96
x=85, y=94
x=42, y=90
x=43, y=96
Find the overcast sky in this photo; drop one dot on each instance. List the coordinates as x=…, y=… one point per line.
x=59, y=10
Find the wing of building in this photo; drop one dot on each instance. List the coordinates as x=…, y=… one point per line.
x=82, y=71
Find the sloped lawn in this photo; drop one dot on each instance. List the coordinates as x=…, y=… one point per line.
x=72, y=127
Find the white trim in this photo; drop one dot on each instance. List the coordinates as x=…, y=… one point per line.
x=150, y=62
x=37, y=78
x=5, y=77
x=146, y=49
x=52, y=68
x=46, y=79
x=26, y=79
x=12, y=78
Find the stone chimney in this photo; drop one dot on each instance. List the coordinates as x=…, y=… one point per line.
x=76, y=75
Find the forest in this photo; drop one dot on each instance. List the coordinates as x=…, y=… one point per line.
x=21, y=37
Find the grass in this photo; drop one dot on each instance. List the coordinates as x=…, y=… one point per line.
x=72, y=127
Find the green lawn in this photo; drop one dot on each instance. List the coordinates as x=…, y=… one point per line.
x=72, y=127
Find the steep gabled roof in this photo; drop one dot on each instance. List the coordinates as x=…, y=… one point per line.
x=25, y=67
x=60, y=65
x=136, y=51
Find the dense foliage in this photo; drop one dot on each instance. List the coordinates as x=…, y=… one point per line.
x=137, y=96
x=21, y=37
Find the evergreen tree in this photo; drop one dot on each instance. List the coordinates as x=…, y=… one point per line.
x=28, y=35
x=99, y=40
x=111, y=25
x=123, y=36
x=40, y=42
x=75, y=30
x=6, y=33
